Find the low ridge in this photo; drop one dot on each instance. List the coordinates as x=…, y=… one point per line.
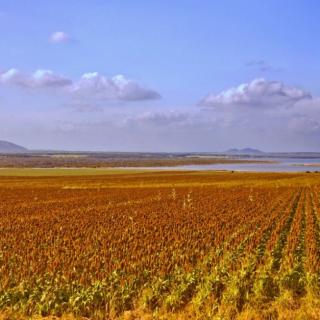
x=9, y=147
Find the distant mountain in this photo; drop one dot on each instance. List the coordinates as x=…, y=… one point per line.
x=245, y=151
x=9, y=147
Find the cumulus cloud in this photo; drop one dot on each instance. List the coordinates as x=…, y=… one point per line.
x=39, y=79
x=90, y=87
x=257, y=93
x=60, y=37
x=118, y=87
x=13, y=77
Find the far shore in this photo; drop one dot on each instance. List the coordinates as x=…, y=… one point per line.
x=306, y=164
x=117, y=161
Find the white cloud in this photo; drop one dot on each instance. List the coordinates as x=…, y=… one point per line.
x=60, y=37
x=13, y=77
x=91, y=87
x=46, y=78
x=39, y=79
x=259, y=92
x=95, y=86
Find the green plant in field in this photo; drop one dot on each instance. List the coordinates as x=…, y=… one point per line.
x=154, y=295
x=183, y=291
x=208, y=294
x=266, y=287
x=295, y=279
x=278, y=249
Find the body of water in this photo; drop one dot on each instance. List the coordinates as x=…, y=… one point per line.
x=280, y=165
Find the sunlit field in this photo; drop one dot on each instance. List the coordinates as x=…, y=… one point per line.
x=160, y=245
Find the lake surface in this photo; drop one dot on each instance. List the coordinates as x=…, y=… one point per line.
x=280, y=165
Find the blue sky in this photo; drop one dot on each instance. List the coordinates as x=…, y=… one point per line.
x=195, y=75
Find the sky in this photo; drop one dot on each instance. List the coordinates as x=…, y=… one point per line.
x=169, y=75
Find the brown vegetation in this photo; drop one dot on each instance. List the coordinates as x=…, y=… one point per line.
x=168, y=245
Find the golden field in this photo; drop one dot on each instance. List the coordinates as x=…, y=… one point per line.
x=160, y=245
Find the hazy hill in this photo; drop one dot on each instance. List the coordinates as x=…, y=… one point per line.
x=245, y=151
x=9, y=147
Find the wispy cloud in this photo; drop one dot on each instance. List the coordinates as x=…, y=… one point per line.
x=60, y=37
x=261, y=65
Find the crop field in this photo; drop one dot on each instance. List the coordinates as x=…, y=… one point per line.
x=160, y=245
